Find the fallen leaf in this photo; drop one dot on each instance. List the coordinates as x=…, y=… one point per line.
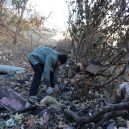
x=18, y=116
x=31, y=122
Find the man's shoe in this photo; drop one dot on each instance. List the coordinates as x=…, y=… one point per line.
x=33, y=99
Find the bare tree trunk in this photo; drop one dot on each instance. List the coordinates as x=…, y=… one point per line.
x=18, y=23
x=1, y=9
x=1, y=5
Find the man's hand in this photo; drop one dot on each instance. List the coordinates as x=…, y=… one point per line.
x=52, y=90
x=49, y=90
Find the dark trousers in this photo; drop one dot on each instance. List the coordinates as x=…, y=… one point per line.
x=38, y=71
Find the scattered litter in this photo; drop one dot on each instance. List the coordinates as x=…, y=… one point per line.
x=10, y=122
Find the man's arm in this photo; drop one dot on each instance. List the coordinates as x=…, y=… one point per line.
x=55, y=76
x=47, y=69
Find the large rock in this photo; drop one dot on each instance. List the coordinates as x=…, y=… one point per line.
x=11, y=69
x=11, y=100
x=94, y=67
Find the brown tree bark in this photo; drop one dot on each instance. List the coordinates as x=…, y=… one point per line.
x=85, y=89
x=111, y=111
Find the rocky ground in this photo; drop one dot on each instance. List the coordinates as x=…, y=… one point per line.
x=70, y=84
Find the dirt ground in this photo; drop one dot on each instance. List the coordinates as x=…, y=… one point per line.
x=16, y=55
